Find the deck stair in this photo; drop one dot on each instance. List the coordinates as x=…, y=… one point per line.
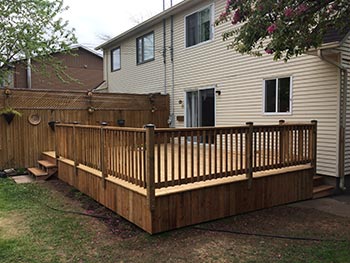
x=46, y=167
x=321, y=189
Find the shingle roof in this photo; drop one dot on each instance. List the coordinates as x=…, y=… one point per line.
x=333, y=35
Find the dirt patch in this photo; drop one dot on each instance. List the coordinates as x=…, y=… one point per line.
x=286, y=221
x=12, y=225
x=80, y=202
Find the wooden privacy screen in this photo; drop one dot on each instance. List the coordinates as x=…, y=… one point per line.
x=21, y=142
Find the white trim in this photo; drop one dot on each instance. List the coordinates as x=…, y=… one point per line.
x=276, y=113
x=212, y=28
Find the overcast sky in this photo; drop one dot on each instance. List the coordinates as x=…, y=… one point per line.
x=108, y=17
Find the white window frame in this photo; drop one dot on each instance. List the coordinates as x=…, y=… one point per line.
x=212, y=19
x=112, y=60
x=198, y=89
x=290, y=96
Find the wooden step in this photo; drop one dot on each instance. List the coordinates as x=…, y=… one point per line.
x=47, y=164
x=49, y=156
x=322, y=191
x=37, y=172
x=318, y=180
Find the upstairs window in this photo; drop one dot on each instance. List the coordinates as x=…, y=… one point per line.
x=198, y=27
x=145, y=48
x=277, y=95
x=115, y=59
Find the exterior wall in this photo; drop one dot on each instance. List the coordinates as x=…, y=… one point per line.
x=133, y=78
x=346, y=62
x=240, y=80
x=84, y=67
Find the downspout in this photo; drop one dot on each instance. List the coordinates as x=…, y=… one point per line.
x=106, y=69
x=172, y=116
x=164, y=55
x=29, y=73
x=342, y=124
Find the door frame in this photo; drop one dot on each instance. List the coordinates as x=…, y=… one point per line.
x=198, y=89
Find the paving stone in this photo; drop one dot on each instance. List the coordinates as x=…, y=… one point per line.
x=23, y=179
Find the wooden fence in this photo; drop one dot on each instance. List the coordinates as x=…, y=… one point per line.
x=156, y=158
x=22, y=141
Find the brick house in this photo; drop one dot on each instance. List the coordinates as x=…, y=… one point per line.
x=83, y=65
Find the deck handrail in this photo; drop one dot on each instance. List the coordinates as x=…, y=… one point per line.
x=154, y=158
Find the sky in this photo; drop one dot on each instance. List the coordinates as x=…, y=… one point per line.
x=92, y=19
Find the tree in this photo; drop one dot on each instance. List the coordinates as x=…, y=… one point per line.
x=284, y=28
x=32, y=29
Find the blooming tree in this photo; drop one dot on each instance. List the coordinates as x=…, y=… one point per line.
x=284, y=28
x=32, y=29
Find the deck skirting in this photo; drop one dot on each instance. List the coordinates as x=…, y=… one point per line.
x=176, y=207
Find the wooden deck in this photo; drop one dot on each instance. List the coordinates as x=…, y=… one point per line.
x=167, y=178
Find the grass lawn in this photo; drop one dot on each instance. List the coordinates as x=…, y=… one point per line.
x=30, y=231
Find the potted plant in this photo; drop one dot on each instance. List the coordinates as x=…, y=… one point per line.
x=9, y=114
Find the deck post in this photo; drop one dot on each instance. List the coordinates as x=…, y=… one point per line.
x=314, y=146
x=102, y=157
x=150, y=166
x=281, y=143
x=249, y=154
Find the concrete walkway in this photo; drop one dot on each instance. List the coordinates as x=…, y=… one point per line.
x=338, y=205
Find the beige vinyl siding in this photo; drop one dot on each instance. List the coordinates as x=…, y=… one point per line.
x=346, y=62
x=132, y=78
x=240, y=80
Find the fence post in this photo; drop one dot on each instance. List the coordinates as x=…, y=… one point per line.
x=314, y=146
x=57, y=138
x=75, y=151
x=150, y=166
x=282, y=149
x=102, y=157
x=249, y=154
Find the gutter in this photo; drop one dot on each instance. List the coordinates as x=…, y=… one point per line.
x=342, y=124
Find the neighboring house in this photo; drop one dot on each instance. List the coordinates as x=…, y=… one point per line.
x=83, y=71
x=180, y=52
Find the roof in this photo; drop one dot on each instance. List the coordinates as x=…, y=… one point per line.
x=150, y=22
x=75, y=46
x=87, y=49
x=334, y=36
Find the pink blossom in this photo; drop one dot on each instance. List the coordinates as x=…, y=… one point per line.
x=301, y=8
x=272, y=28
x=236, y=17
x=228, y=2
x=223, y=15
x=288, y=12
x=268, y=51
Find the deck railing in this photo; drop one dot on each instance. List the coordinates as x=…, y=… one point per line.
x=156, y=158
x=118, y=152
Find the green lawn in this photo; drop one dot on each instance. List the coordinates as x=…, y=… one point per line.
x=32, y=232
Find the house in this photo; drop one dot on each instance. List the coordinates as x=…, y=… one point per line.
x=83, y=71
x=181, y=53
